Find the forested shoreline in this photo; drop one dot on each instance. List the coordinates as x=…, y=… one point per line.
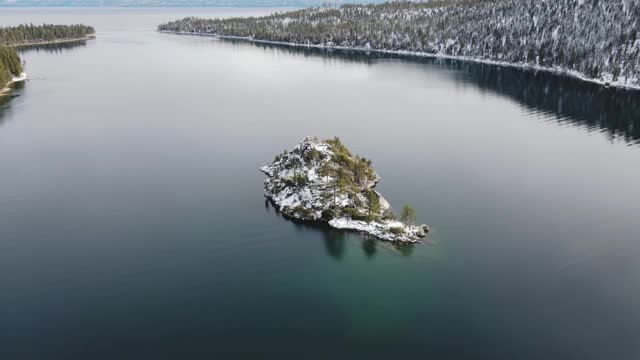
x=40, y=34
x=590, y=39
x=10, y=65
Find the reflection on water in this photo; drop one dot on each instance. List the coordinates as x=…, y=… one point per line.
x=369, y=246
x=570, y=101
x=405, y=249
x=17, y=88
x=335, y=240
x=329, y=54
x=334, y=243
x=52, y=48
x=5, y=101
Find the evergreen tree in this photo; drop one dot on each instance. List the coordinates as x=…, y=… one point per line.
x=408, y=215
x=10, y=65
x=373, y=204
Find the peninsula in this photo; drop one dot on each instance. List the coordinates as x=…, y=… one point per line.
x=26, y=35
x=592, y=40
x=321, y=181
x=12, y=37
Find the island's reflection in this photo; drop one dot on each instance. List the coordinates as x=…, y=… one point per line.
x=335, y=241
x=369, y=247
x=570, y=101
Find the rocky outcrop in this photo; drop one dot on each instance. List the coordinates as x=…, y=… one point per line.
x=322, y=181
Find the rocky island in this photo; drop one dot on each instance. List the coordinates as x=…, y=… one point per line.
x=321, y=181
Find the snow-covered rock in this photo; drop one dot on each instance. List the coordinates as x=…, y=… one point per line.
x=22, y=77
x=389, y=230
x=15, y=79
x=322, y=181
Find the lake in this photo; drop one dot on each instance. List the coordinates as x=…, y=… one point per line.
x=133, y=222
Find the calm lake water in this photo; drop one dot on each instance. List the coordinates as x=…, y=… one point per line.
x=133, y=225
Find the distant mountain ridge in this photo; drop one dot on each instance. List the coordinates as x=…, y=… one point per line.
x=171, y=3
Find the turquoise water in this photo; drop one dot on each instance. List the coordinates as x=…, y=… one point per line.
x=133, y=225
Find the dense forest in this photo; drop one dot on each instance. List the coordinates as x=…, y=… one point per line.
x=10, y=65
x=593, y=39
x=30, y=34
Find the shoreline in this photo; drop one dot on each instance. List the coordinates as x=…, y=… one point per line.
x=61, y=41
x=4, y=91
x=553, y=70
x=347, y=225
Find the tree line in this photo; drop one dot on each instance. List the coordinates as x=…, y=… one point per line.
x=595, y=39
x=29, y=33
x=10, y=65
